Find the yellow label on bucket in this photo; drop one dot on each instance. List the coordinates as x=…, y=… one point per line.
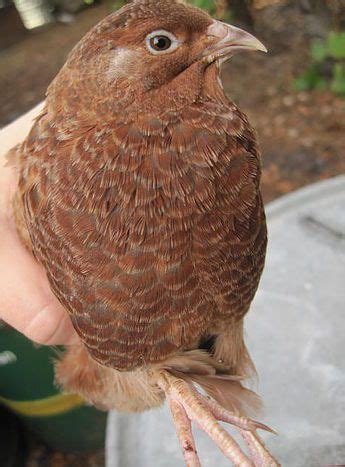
x=54, y=405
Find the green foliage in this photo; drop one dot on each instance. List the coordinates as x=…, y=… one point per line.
x=319, y=51
x=338, y=82
x=311, y=79
x=336, y=45
x=207, y=5
x=118, y=4
x=216, y=8
x=327, y=68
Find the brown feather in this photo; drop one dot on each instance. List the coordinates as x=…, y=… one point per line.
x=230, y=394
x=139, y=188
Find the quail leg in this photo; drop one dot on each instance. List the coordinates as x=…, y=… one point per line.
x=184, y=432
x=188, y=405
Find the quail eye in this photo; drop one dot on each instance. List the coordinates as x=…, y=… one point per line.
x=160, y=42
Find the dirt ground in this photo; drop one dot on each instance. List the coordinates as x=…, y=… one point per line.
x=302, y=135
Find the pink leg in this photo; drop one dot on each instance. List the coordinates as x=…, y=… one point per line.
x=259, y=453
x=184, y=433
x=188, y=405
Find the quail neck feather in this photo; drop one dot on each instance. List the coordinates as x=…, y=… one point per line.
x=139, y=188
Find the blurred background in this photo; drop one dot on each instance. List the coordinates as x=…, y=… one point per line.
x=294, y=96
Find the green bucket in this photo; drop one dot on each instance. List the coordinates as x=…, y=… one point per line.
x=63, y=421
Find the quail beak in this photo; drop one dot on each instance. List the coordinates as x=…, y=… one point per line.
x=227, y=40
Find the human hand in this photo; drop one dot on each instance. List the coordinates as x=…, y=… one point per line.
x=26, y=300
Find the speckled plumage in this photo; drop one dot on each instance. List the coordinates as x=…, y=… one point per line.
x=139, y=193
x=151, y=229
x=141, y=196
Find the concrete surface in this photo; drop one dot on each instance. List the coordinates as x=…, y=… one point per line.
x=296, y=335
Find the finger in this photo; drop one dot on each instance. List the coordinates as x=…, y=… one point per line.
x=26, y=301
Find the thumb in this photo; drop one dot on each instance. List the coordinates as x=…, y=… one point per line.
x=26, y=301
